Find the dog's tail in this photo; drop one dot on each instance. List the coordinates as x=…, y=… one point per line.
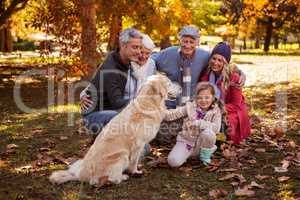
x=71, y=174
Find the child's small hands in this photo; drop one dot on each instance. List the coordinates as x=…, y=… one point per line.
x=190, y=125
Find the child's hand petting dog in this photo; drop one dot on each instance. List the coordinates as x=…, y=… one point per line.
x=190, y=125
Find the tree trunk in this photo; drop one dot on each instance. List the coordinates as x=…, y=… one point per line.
x=257, y=43
x=165, y=42
x=232, y=42
x=114, y=32
x=88, y=35
x=6, y=40
x=276, y=41
x=268, y=37
x=244, y=44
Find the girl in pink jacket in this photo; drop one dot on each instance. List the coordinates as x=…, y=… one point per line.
x=201, y=123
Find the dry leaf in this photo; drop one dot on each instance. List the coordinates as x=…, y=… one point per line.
x=156, y=152
x=158, y=161
x=63, y=137
x=233, y=175
x=285, y=163
x=262, y=177
x=278, y=131
x=234, y=183
x=212, y=168
x=251, y=161
x=297, y=157
x=228, y=176
x=283, y=168
x=235, y=164
x=12, y=146
x=3, y=163
x=296, y=160
x=296, y=163
x=283, y=178
x=44, y=149
x=50, y=118
x=244, y=192
x=292, y=144
x=254, y=184
x=23, y=167
x=280, y=169
x=228, y=170
x=37, y=131
x=217, y=193
x=60, y=159
x=270, y=104
x=229, y=154
x=186, y=169
x=260, y=150
x=223, y=146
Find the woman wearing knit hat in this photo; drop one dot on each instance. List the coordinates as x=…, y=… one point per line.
x=222, y=74
x=141, y=69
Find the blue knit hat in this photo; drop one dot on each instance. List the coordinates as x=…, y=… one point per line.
x=223, y=49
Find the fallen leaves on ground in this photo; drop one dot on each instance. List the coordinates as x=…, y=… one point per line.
x=158, y=162
x=36, y=131
x=256, y=185
x=283, y=167
x=283, y=178
x=239, y=177
x=63, y=137
x=217, y=193
x=262, y=177
x=228, y=170
x=3, y=163
x=244, y=192
x=50, y=118
x=11, y=146
x=25, y=167
x=278, y=132
x=260, y=150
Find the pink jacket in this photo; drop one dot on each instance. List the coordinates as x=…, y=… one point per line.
x=211, y=120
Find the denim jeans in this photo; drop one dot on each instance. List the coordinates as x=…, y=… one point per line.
x=95, y=121
x=171, y=104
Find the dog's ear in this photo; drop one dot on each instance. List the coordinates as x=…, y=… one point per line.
x=151, y=89
x=162, y=88
x=155, y=85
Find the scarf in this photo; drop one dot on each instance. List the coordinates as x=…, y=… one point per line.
x=185, y=78
x=199, y=114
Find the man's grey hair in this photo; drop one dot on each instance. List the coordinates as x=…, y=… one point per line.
x=129, y=33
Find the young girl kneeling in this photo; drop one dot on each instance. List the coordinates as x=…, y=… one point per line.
x=201, y=123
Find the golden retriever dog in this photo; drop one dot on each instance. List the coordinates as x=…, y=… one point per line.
x=119, y=145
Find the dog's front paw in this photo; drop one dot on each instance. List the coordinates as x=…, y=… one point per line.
x=137, y=172
x=125, y=177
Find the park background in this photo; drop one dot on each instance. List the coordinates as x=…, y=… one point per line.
x=61, y=43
